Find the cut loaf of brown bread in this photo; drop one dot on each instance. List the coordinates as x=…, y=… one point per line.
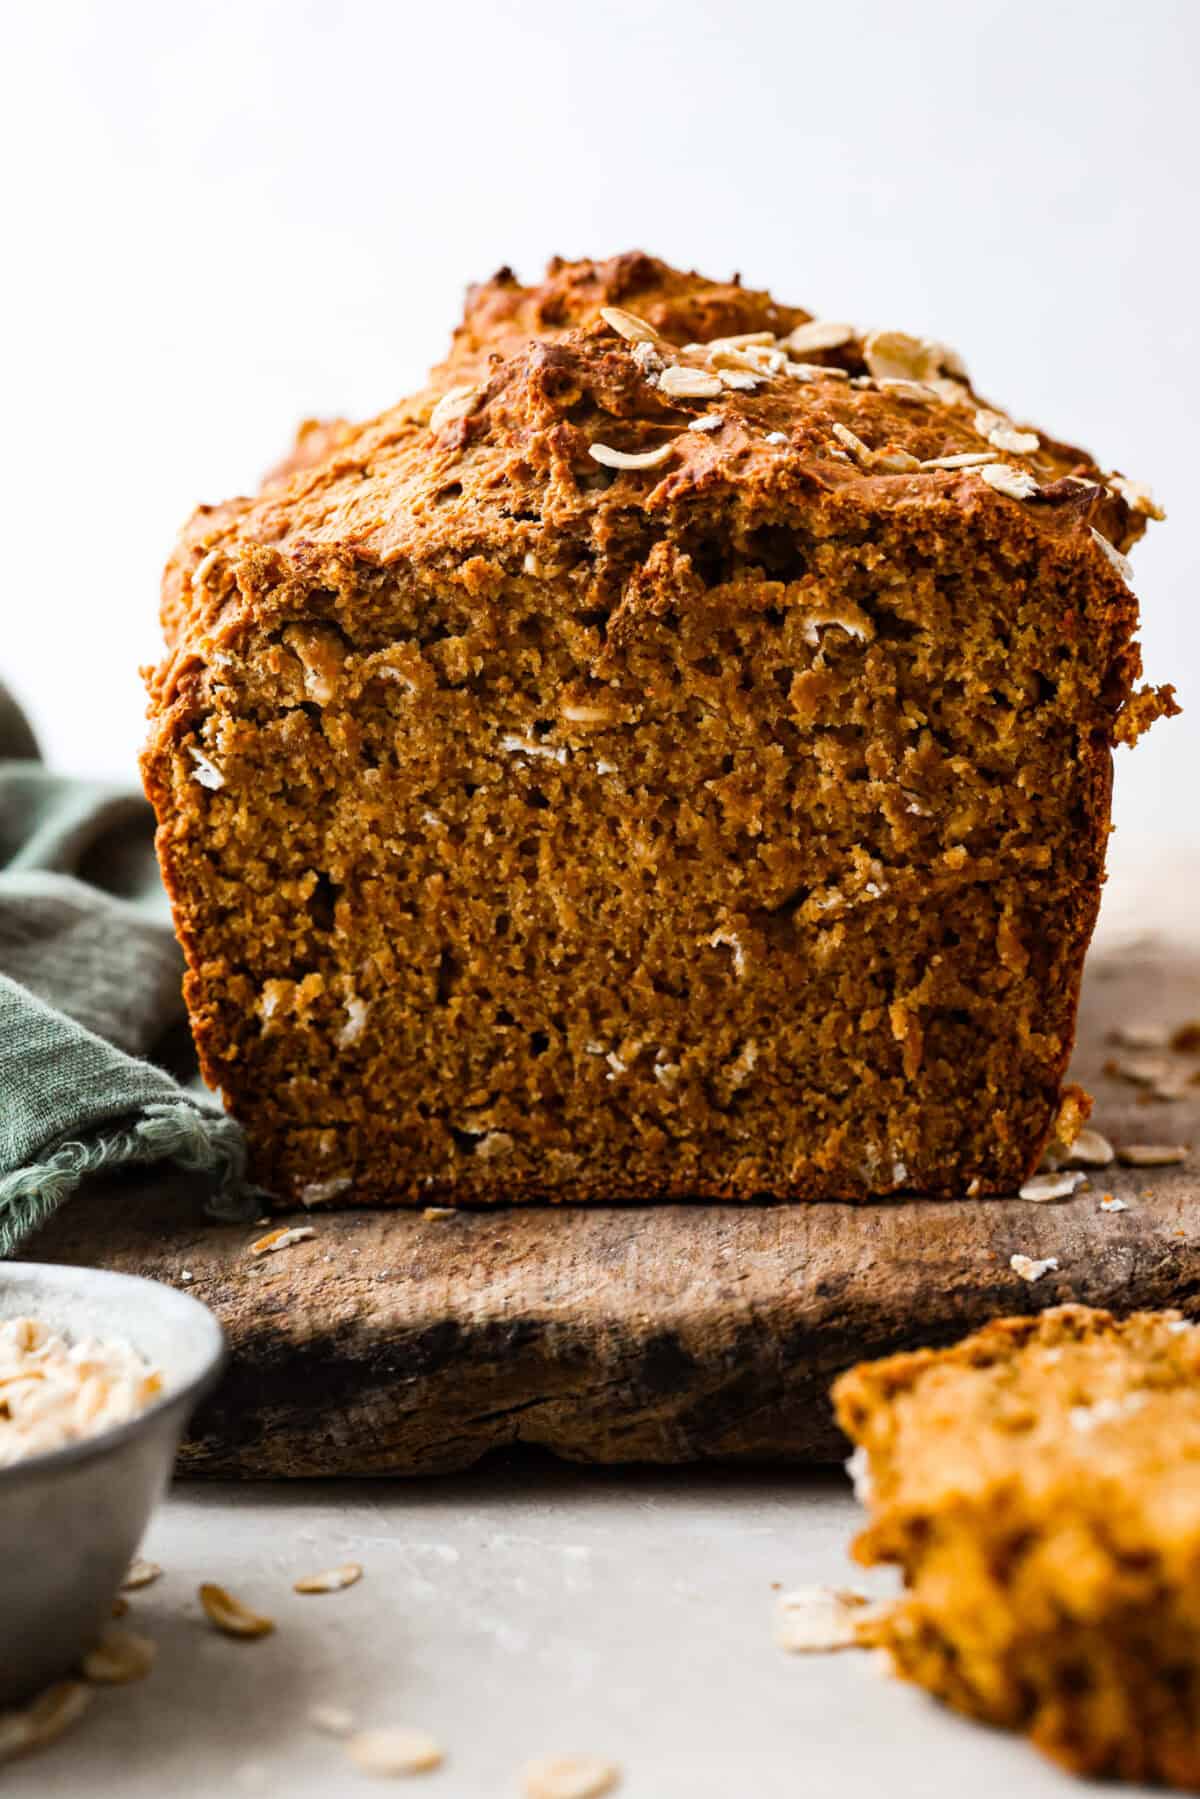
x=668, y=757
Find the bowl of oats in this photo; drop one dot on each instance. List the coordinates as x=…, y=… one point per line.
x=99, y=1374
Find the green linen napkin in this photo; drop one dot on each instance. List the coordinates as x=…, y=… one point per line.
x=94, y=1055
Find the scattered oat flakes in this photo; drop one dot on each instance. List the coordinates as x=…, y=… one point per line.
x=1152, y=1155
x=708, y=421
x=682, y=383
x=1136, y=496
x=1110, y=1203
x=818, y=334
x=315, y=1193
x=817, y=371
x=1121, y=563
x=629, y=459
x=950, y=391
x=119, y=1656
x=1016, y=443
x=523, y=746
x=439, y=1212
x=628, y=325
x=895, y=462
x=329, y=1580
x=569, y=1777
x=853, y=443
x=1140, y=1035
x=776, y=437
x=1030, y=1269
x=1091, y=1150
x=1051, y=1186
x=740, y=380
x=332, y=1720
x=901, y=389
x=455, y=403
x=894, y=354
x=230, y=1615
x=760, y=359
x=965, y=459
x=44, y=1719
x=1179, y=1087
x=394, y=1749
x=139, y=1573
x=649, y=360
x=282, y=1239
x=1141, y=1071
x=356, y=1008
x=815, y=1619
x=577, y=713
x=206, y=770
x=741, y=340
x=1017, y=483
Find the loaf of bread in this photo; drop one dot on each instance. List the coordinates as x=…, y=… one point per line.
x=669, y=757
x=1039, y=1486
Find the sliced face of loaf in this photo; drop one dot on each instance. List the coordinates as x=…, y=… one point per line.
x=721, y=823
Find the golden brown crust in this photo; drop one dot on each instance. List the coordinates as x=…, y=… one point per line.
x=502, y=317
x=558, y=380
x=1039, y=1485
x=823, y=684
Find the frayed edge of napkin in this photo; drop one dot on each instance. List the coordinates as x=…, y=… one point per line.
x=167, y=1131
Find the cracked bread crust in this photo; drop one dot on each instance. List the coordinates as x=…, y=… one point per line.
x=556, y=379
x=1038, y=1485
x=721, y=730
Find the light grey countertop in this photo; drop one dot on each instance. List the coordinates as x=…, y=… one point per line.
x=522, y=1610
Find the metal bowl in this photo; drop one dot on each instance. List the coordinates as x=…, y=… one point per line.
x=70, y=1520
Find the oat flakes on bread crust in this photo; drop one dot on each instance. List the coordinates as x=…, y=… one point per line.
x=859, y=712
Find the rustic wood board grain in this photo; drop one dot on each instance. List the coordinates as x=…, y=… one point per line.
x=393, y=1343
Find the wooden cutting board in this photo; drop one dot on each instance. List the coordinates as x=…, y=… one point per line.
x=394, y=1343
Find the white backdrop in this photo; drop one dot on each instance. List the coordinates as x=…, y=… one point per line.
x=230, y=215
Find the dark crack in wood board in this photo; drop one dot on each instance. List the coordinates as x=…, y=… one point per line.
x=392, y=1343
